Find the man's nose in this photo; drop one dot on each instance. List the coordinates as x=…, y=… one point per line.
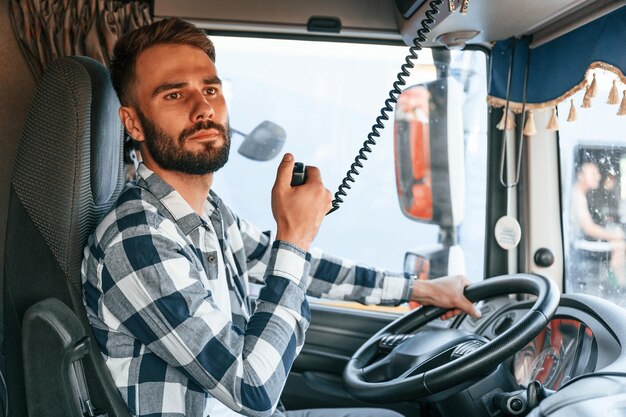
x=202, y=109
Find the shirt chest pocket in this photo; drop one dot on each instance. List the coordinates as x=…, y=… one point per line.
x=210, y=261
x=200, y=267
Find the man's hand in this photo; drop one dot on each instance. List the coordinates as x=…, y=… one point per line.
x=299, y=211
x=445, y=292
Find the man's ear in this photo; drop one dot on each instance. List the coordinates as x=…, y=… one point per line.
x=131, y=122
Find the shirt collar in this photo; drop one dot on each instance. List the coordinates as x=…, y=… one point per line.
x=181, y=212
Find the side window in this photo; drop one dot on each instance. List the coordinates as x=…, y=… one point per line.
x=327, y=96
x=593, y=178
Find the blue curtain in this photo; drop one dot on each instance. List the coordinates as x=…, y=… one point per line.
x=558, y=66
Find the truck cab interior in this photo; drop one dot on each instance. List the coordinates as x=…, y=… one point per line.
x=458, y=138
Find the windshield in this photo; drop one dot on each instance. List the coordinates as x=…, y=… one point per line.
x=327, y=95
x=593, y=168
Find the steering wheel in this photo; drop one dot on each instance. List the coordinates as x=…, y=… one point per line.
x=398, y=364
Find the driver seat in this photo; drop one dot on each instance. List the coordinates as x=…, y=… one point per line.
x=67, y=174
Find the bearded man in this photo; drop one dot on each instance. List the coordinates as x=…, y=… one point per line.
x=165, y=274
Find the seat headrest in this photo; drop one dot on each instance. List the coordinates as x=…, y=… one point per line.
x=69, y=170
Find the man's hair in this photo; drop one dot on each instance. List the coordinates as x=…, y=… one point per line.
x=131, y=45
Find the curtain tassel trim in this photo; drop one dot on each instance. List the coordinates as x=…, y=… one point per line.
x=587, y=97
x=572, y=112
x=529, y=126
x=622, y=107
x=593, y=88
x=590, y=90
x=510, y=121
x=553, y=123
x=613, y=94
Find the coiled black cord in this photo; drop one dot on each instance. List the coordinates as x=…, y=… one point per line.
x=387, y=108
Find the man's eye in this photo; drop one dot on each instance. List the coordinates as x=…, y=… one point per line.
x=211, y=91
x=172, y=96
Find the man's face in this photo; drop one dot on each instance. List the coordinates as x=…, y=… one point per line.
x=590, y=175
x=181, y=110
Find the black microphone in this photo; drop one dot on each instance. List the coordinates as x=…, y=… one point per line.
x=298, y=177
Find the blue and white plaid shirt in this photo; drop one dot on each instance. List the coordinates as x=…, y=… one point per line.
x=166, y=293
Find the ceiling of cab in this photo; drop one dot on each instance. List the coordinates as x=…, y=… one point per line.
x=501, y=19
x=379, y=19
x=374, y=19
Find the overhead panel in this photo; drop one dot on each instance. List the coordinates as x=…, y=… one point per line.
x=492, y=18
x=375, y=19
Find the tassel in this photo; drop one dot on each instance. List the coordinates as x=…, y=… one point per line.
x=553, y=123
x=529, y=128
x=593, y=88
x=500, y=125
x=613, y=94
x=586, y=100
x=464, y=6
x=510, y=122
x=622, y=107
x=572, y=112
x=588, y=95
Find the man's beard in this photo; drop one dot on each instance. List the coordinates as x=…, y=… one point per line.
x=169, y=153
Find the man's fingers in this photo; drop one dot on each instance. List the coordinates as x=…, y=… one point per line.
x=468, y=307
x=313, y=174
x=474, y=312
x=450, y=314
x=285, y=170
x=464, y=304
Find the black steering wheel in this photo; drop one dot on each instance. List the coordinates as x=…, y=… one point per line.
x=397, y=364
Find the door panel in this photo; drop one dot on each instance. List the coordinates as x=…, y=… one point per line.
x=334, y=335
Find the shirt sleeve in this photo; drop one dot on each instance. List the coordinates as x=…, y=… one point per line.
x=332, y=277
x=343, y=279
x=152, y=288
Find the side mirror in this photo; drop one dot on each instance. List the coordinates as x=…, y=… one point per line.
x=433, y=261
x=429, y=152
x=263, y=143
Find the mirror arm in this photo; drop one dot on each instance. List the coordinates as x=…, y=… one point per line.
x=238, y=132
x=448, y=235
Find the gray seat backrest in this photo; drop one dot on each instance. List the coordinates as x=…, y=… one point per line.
x=68, y=172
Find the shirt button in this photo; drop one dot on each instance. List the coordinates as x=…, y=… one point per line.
x=211, y=258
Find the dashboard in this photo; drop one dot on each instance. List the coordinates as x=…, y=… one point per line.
x=577, y=341
x=564, y=349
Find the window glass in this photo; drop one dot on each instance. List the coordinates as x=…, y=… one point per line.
x=593, y=168
x=327, y=95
